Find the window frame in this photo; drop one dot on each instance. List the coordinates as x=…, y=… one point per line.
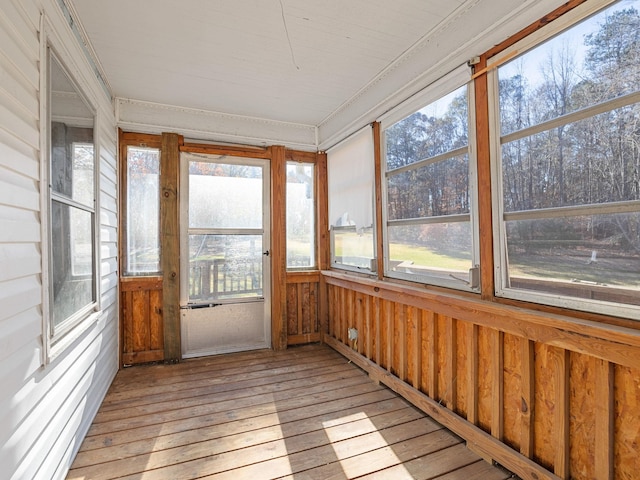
x=439, y=89
x=314, y=235
x=58, y=336
x=500, y=217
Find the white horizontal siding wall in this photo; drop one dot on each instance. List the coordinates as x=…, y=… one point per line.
x=46, y=407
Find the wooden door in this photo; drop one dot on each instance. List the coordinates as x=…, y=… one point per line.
x=141, y=296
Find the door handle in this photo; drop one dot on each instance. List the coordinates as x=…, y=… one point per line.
x=266, y=253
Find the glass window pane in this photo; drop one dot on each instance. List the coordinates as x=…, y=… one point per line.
x=441, y=188
x=223, y=267
x=225, y=195
x=73, y=260
x=441, y=249
x=143, y=211
x=72, y=163
x=71, y=179
x=583, y=256
x=300, y=216
x=353, y=248
x=428, y=175
x=591, y=161
x=570, y=253
x=440, y=127
x=593, y=61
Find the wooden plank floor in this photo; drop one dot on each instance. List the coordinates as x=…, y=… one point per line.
x=305, y=413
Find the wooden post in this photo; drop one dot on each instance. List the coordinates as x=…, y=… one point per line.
x=484, y=181
x=170, y=244
x=377, y=155
x=278, y=248
x=323, y=239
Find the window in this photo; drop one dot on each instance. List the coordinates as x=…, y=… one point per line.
x=71, y=205
x=568, y=167
x=429, y=183
x=350, y=169
x=301, y=245
x=142, y=237
x=225, y=210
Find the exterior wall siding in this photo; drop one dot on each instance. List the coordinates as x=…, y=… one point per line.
x=46, y=406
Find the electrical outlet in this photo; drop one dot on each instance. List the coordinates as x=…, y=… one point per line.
x=353, y=334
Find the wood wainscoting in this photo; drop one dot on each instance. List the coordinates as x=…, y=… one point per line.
x=544, y=395
x=303, y=320
x=141, y=317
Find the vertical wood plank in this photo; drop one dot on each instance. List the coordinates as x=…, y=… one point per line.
x=416, y=359
x=604, y=396
x=528, y=391
x=293, y=305
x=127, y=320
x=497, y=388
x=314, y=324
x=377, y=334
x=339, y=313
x=388, y=321
x=141, y=319
x=472, y=375
x=155, y=315
x=170, y=244
x=377, y=155
x=350, y=316
x=400, y=314
x=363, y=302
x=432, y=376
x=300, y=302
x=451, y=363
x=278, y=248
x=425, y=349
x=368, y=330
x=331, y=310
x=561, y=414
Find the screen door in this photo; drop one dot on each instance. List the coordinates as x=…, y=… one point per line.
x=225, y=264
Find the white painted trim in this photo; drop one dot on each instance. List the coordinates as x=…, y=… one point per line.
x=441, y=87
x=424, y=63
x=149, y=117
x=44, y=198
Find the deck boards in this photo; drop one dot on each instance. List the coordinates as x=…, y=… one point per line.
x=303, y=413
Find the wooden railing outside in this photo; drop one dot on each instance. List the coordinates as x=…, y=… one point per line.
x=219, y=278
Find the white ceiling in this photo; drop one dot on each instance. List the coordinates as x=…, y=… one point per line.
x=308, y=62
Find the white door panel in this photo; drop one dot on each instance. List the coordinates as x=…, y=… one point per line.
x=223, y=329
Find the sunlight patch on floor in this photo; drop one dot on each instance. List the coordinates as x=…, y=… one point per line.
x=336, y=430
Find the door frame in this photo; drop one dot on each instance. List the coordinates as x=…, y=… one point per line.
x=214, y=157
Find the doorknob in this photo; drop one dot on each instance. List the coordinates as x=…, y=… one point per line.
x=266, y=253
